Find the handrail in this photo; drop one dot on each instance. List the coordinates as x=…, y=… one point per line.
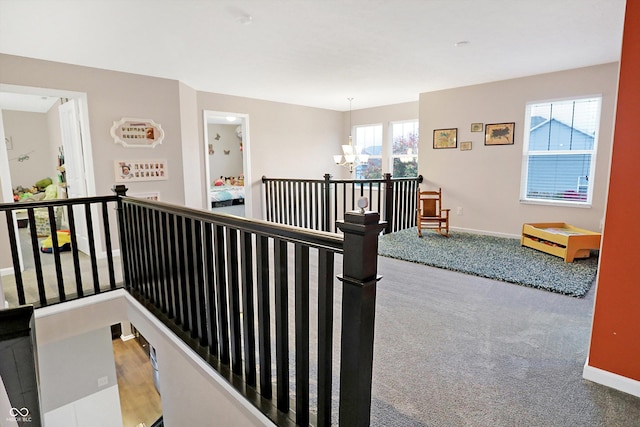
x=315, y=238
x=56, y=202
x=318, y=203
x=48, y=213
x=223, y=284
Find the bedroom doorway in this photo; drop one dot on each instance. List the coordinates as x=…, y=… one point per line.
x=226, y=140
x=63, y=128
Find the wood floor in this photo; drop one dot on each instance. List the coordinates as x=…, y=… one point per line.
x=139, y=399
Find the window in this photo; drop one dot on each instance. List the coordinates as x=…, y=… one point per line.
x=404, y=157
x=559, y=151
x=368, y=139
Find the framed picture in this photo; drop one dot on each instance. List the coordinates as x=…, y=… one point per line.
x=465, y=146
x=445, y=138
x=131, y=132
x=499, y=134
x=140, y=170
x=476, y=127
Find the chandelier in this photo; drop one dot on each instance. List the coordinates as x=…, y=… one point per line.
x=351, y=156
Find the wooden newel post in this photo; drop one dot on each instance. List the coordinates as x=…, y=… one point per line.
x=121, y=191
x=359, y=278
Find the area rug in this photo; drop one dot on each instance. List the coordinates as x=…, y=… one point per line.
x=496, y=258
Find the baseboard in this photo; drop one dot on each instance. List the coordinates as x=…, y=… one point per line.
x=609, y=379
x=6, y=271
x=103, y=254
x=127, y=337
x=485, y=233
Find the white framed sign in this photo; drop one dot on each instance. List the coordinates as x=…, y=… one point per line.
x=140, y=170
x=155, y=196
x=132, y=132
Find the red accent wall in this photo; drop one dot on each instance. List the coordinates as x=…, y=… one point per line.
x=615, y=340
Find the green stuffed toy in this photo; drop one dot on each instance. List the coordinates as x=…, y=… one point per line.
x=43, y=183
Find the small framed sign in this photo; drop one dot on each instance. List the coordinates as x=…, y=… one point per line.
x=137, y=132
x=140, y=170
x=155, y=196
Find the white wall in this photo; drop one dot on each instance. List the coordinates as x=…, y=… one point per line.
x=191, y=148
x=221, y=163
x=69, y=371
x=191, y=391
x=66, y=376
x=95, y=410
x=30, y=136
x=485, y=182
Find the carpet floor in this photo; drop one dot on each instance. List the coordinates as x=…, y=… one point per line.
x=455, y=349
x=492, y=257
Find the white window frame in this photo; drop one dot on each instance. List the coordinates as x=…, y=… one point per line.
x=526, y=154
x=389, y=151
x=359, y=145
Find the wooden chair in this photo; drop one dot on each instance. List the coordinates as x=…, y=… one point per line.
x=430, y=212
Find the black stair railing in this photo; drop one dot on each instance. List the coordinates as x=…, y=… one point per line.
x=261, y=302
x=58, y=272
x=318, y=203
x=241, y=293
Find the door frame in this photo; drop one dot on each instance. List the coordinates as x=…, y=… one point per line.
x=207, y=116
x=85, y=133
x=7, y=197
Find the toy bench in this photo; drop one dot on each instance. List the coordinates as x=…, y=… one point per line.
x=560, y=239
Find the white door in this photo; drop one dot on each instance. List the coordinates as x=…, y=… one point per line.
x=74, y=167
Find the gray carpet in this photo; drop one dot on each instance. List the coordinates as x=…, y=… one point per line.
x=49, y=273
x=492, y=257
x=454, y=349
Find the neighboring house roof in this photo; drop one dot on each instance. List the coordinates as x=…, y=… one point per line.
x=536, y=120
x=537, y=124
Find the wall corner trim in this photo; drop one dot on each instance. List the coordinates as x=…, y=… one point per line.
x=609, y=379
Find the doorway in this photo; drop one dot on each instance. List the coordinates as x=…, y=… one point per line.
x=66, y=136
x=227, y=171
x=137, y=375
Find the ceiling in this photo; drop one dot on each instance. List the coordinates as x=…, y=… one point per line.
x=318, y=52
x=26, y=102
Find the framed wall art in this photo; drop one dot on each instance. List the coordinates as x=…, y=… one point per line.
x=499, y=134
x=445, y=138
x=140, y=170
x=137, y=133
x=476, y=127
x=465, y=146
